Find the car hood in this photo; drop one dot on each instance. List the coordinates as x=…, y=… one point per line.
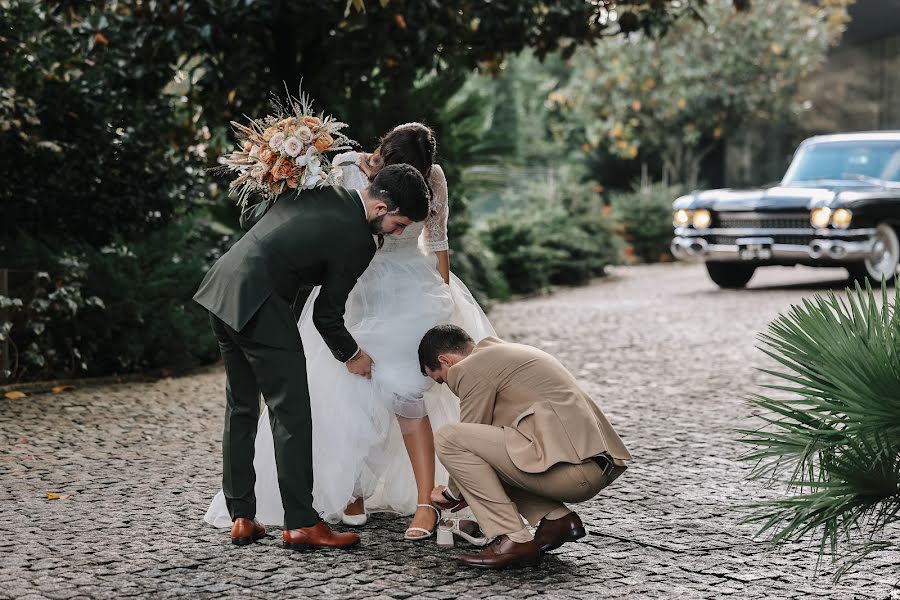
x=774, y=198
x=787, y=198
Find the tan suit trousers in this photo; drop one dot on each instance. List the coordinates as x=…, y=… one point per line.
x=498, y=492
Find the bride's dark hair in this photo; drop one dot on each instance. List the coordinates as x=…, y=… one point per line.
x=411, y=143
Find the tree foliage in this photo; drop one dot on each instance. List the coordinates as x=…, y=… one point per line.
x=124, y=100
x=678, y=95
x=91, y=143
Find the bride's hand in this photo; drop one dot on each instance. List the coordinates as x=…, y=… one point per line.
x=361, y=364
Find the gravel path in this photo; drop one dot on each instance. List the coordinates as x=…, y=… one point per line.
x=668, y=357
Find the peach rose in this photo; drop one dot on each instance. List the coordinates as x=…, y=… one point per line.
x=312, y=122
x=323, y=141
x=267, y=156
x=293, y=182
x=282, y=170
x=268, y=133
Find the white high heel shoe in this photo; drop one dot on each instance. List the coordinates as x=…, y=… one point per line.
x=466, y=529
x=427, y=534
x=354, y=520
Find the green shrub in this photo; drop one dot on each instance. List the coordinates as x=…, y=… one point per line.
x=477, y=266
x=588, y=248
x=645, y=219
x=525, y=265
x=538, y=248
x=43, y=318
x=831, y=433
x=121, y=308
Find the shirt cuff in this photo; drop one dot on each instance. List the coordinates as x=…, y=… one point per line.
x=355, y=354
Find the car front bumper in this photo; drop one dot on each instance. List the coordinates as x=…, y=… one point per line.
x=761, y=245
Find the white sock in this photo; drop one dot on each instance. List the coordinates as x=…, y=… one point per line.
x=521, y=536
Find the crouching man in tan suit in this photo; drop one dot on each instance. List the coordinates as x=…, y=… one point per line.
x=529, y=439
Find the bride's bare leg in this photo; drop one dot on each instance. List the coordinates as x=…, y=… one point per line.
x=357, y=507
x=419, y=441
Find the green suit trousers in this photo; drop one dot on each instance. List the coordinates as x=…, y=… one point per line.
x=280, y=374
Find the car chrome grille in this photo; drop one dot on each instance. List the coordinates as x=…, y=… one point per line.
x=763, y=221
x=731, y=240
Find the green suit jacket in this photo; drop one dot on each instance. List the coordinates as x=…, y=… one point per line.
x=319, y=237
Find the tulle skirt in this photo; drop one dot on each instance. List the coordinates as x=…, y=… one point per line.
x=358, y=449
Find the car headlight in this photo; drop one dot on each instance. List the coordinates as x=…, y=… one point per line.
x=841, y=218
x=702, y=219
x=820, y=217
x=682, y=218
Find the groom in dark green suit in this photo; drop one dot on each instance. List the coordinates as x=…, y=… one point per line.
x=321, y=237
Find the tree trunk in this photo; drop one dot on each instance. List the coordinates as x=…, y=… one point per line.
x=693, y=164
x=4, y=345
x=691, y=168
x=678, y=164
x=693, y=174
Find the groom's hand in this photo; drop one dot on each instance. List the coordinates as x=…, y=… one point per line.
x=361, y=364
x=439, y=499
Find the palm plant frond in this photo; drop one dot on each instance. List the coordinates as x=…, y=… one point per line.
x=830, y=427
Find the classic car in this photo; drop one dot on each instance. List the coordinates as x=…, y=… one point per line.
x=838, y=205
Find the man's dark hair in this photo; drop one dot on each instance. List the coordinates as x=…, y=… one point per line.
x=442, y=339
x=404, y=191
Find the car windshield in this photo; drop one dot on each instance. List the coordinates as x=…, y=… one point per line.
x=846, y=161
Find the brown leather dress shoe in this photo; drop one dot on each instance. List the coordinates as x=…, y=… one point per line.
x=550, y=535
x=319, y=535
x=246, y=531
x=503, y=552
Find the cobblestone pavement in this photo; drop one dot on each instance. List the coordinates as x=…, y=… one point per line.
x=666, y=354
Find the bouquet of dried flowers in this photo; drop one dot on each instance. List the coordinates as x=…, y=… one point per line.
x=285, y=150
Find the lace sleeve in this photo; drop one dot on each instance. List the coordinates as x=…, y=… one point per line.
x=435, y=232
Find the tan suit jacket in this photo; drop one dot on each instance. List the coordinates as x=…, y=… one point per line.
x=548, y=418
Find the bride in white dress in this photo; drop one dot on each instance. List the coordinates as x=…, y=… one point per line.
x=360, y=426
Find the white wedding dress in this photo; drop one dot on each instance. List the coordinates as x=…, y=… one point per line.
x=358, y=448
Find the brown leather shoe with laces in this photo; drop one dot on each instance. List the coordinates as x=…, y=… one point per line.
x=550, y=535
x=319, y=535
x=503, y=552
x=246, y=531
